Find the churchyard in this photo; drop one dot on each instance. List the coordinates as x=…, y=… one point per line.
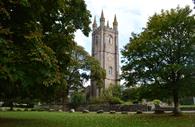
x=47, y=79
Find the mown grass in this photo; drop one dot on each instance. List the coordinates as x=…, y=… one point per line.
x=188, y=106
x=60, y=119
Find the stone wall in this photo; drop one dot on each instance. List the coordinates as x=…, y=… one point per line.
x=182, y=108
x=118, y=108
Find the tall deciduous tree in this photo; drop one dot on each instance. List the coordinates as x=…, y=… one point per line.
x=79, y=71
x=36, y=39
x=163, y=55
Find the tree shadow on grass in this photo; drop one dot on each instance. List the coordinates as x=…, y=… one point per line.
x=10, y=122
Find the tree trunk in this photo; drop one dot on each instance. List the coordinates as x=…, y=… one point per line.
x=11, y=105
x=64, y=102
x=176, y=109
x=11, y=108
x=65, y=99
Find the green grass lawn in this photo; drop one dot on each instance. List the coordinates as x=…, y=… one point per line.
x=183, y=106
x=60, y=119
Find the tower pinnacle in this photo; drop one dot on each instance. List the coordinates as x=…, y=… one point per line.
x=115, y=23
x=115, y=20
x=102, y=19
x=94, y=23
x=102, y=15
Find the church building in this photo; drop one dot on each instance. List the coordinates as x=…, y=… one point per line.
x=105, y=50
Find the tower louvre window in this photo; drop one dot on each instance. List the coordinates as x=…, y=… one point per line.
x=110, y=40
x=110, y=71
x=96, y=39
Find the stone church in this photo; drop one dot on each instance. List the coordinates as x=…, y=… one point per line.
x=105, y=50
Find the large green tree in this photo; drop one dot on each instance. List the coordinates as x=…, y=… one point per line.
x=163, y=55
x=36, y=40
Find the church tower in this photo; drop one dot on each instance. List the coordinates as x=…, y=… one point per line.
x=105, y=50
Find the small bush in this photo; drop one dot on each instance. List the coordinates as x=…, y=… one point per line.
x=98, y=100
x=19, y=110
x=156, y=102
x=77, y=99
x=127, y=103
x=115, y=100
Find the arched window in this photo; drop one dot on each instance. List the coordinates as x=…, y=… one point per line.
x=110, y=71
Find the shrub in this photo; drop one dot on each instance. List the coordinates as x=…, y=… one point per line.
x=115, y=100
x=156, y=102
x=77, y=99
x=127, y=103
x=19, y=110
x=131, y=94
x=98, y=100
x=114, y=90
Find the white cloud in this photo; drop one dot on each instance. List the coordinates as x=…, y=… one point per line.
x=132, y=15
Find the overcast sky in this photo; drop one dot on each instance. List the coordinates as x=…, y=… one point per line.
x=132, y=16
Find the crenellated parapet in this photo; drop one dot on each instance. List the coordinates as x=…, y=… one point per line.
x=102, y=23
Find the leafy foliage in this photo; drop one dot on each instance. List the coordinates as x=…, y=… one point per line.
x=163, y=55
x=112, y=95
x=39, y=58
x=77, y=99
x=156, y=102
